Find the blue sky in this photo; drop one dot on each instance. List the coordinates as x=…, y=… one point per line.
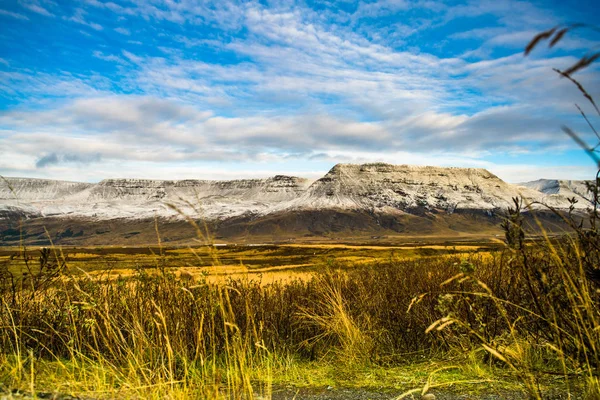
x=215, y=90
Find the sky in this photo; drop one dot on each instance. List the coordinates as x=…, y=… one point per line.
x=165, y=89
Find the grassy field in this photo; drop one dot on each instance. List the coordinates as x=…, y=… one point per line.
x=268, y=263
x=476, y=318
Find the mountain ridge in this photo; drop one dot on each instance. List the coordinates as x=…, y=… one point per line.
x=372, y=187
x=350, y=199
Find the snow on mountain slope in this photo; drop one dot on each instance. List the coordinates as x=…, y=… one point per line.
x=31, y=189
x=136, y=198
x=385, y=187
x=368, y=187
x=562, y=189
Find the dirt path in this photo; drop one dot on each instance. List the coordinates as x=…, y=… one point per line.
x=386, y=394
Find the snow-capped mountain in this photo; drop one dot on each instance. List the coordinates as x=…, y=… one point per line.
x=350, y=201
x=377, y=187
x=385, y=187
x=562, y=188
x=139, y=199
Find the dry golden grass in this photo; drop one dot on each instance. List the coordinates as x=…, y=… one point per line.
x=268, y=264
x=154, y=324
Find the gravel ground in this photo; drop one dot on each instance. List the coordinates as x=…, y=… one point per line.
x=367, y=394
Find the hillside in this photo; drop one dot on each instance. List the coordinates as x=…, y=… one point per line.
x=140, y=199
x=350, y=200
x=386, y=187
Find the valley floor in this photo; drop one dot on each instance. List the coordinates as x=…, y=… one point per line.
x=265, y=262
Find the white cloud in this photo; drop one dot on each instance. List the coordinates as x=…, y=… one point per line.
x=157, y=130
x=123, y=31
x=109, y=57
x=79, y=17
x=36, y=7
x=38, y=86
x=519, y=173
x=227, y=14
x=13, y=15
x=313, y=167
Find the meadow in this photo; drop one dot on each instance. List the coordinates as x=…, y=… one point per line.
x=216, y=263
x=512, y=318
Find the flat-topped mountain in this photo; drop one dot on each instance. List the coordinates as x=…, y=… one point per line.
x=363, y=198
x=408, y=187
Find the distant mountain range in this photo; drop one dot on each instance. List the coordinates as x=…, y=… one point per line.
x=350, y=200
x=570, y=189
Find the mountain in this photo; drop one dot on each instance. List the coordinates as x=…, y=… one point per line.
x=386, y=187
x=562, y=188
x=350, y=200
x=140, y=199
